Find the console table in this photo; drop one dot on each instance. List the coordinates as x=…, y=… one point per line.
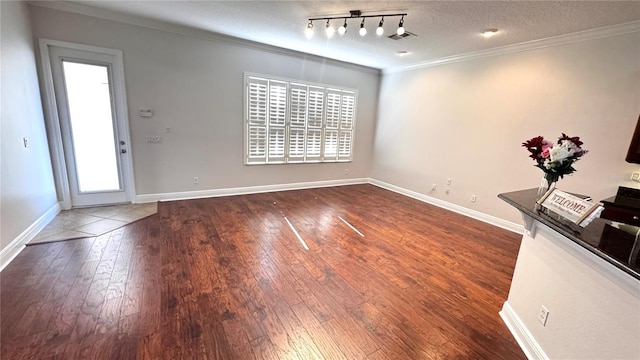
x=587, y=278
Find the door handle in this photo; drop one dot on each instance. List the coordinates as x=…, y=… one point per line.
x=124, y=151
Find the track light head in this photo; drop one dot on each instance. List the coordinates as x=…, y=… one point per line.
x=380, y=29
x=308, y=32
x=329, y=29
x=400, y=30
x=362, y=31
x=343, y=29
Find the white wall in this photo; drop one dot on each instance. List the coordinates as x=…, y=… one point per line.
x=27, y=190
x=195, y=86
x=594, y=310
x=466, y=121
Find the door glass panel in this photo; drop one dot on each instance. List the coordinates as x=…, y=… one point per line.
x=92, y=130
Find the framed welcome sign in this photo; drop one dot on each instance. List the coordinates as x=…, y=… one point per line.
x=571, y=207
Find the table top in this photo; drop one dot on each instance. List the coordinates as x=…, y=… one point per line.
x=614, y=242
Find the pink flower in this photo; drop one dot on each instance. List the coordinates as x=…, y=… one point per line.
x=545, y=149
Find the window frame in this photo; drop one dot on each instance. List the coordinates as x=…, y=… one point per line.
x=259, y=102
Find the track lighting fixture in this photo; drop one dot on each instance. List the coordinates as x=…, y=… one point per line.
x=380, y=29
x=355, y=14
x=400, y=30
x=342, y=29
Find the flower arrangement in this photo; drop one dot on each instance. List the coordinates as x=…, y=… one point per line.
x=556, y=160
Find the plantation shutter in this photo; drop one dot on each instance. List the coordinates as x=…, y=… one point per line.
x=298, y=95
x=277, y=121
x=316, y=107
x=314, y=144
x=293, y=122
x=347, y=119
x=344, y=152
x=256, y=121
x=332, y=125
x=314, y=123
x=333, y=109
x=330, y=144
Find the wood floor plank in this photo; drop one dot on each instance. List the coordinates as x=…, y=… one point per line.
x=322, y=338
x=344, y=339
x=263, y=349
x=298, y=337
x=227, y=278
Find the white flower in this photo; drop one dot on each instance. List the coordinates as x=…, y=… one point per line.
x=559, y=153
x=569, y=145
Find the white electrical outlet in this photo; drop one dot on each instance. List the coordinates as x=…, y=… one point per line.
x=543, y=315
x=196, y=180
x=473, y=198
x=145, y=113
x=153, y=139
x=635, y=176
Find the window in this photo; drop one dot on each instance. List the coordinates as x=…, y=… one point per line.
x=294, y=122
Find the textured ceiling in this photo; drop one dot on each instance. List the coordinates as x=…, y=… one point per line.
x=444, y=28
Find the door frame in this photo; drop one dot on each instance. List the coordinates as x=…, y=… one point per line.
x=52, y=120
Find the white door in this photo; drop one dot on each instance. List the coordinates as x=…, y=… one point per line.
x=92, y=126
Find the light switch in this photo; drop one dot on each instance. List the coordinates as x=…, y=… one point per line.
x=25, y=141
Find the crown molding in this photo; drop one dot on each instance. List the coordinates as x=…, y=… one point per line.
x=591, y=34
x=598, y=33
x=135, y=20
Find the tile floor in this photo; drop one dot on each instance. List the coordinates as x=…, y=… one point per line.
x=89, y=222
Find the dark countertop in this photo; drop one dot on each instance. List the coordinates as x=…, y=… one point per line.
x=611, y=241
x=623, y=202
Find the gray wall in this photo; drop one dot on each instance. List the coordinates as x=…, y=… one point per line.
x=27, y=190
x=195, y=86
x=466, y=121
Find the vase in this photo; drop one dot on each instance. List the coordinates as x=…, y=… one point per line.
x=548, y=182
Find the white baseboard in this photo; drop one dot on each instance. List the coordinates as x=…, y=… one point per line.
x=507, y=225
x=15, y=247
x=527, y=342
x=186, y=195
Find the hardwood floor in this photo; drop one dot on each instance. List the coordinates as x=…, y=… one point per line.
x=227, y=278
